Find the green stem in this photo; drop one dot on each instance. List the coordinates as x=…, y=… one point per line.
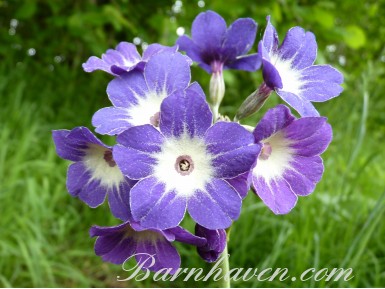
x=225, y=282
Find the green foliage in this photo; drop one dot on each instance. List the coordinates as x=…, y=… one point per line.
x=44, y=232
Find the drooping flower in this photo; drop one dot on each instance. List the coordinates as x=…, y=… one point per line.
x=185, y=164
x=289, y=164
x=215, y=245
x=136, y=96
x=289, y=70
x=215, y=47
x=94, y=173
x=152, y=248
x=123, y=58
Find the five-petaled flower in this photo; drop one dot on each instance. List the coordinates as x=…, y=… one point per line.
x=152, y=248
x=289, y=164
x=289, y=70
x=94, y=173
x=123, y=58
x=136, y=96
x=185, y=164
x=215, y=47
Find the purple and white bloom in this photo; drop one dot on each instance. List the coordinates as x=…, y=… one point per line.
x=289, y=70
x=215, y=47
x=94, y=173
x=125, y=57
x=215, y=245
x=183, y=166
x=152, y=248
x=136, y=96
x=289, y=164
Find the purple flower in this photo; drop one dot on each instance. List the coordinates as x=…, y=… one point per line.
x=216, y=47
x=289, y=70
x=94, y=173
x=136, y=96
x=123, y=58
x=185, y=164
x=289, y=164
x=117, y=244
x=216, y=243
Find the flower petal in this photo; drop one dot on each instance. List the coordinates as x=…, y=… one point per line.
x=251, y=62
x=208, y=31
x=113, y=246
x=233, y=149
x=124, y=91
x=216, y=207
x=155, y=208
x=192, y=50
x=310, y=136
x=185, y=112
x=119, y=200
x=276, y=194
x=134, y=164
x=196, y=88
x=299, y=46
x=145, y=138
x=241, y=184
x=72, y=145
x=155, y=48
x=303, y=106
x=216, y=243
x=111, y=120
x=164, y=254
x=321, y=83
x=274, y=120
x=304, y=174
x=239, y=38
x=81, y=185
x=270, y=37
x=167, y=72
x=184, y=236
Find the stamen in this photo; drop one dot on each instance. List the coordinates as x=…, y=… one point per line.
x=109, y=159
x=184, y=165
x=154, y=120
x=266, y=151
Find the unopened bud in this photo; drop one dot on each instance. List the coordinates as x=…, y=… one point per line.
x=254, y=102
x=217, y=87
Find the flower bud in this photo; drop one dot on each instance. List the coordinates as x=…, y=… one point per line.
x=254, y=102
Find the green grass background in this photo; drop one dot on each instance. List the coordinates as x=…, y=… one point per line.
x=44, y=237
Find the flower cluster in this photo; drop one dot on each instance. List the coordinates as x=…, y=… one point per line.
x=174, y=154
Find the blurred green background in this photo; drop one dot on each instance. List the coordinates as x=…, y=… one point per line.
x=44, y=237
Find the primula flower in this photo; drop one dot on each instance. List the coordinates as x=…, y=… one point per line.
x=185, y=164
x=117, y=244
x=289, y=70
x=136, y=96
x=216, y=243
x=289, y=164
x=215, y=47
x=123, y=58
x=94, y=173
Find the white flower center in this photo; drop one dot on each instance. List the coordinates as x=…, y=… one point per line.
x=273, y=162
x=146, y=108
x=184, y=165
x=291, y=77
x=98, y=161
